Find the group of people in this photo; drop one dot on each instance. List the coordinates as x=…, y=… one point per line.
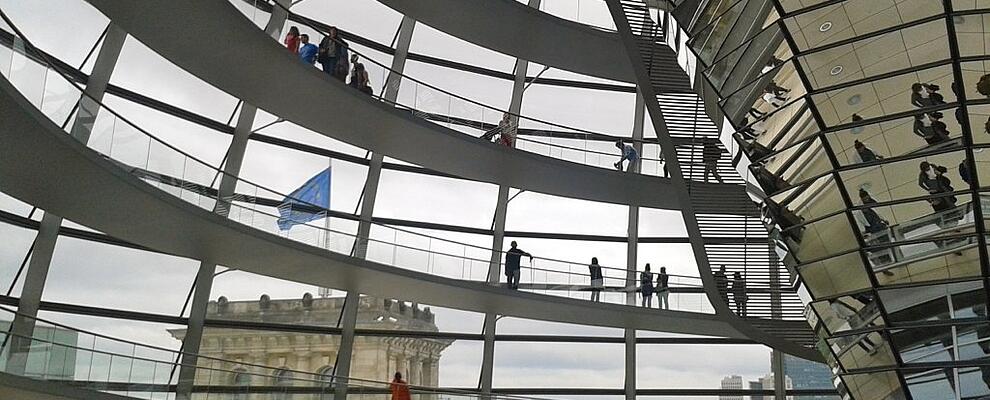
x=735, y=286
x=662, y=288
x=597, y=279
x=929, y=125
x=332, y=54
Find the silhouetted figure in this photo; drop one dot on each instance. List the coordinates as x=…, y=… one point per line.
x=772, y=63
x=722, y=284
x=710, y=155
x=929, y=128
x=755, y=150
x=932, y=179
x=934, y=97
x=512, y=258
x=329, y=52
x=359, y=77
x=646, y=286
x=507, y=131
x=751, y=132
x=964, y=172
x=771, y=183
x=739, y=296
x=628, y=153
x=597, y=279
x=938, y=127
x=874, y=223
x=503, y=125
x=983, y=85
x=788, y=220
x=920, y=95
x=865, y=154
x=399, y=388
x=663, y=289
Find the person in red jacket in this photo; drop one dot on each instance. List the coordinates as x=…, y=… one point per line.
x=292, y=40
x=400, y=389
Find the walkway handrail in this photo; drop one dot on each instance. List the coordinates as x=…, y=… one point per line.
x=29, y=46
x=335, y=378
x=308, y=23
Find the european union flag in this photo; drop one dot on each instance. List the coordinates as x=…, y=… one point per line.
x=308, y=203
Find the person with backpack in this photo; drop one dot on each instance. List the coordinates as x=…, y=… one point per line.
x=512, y=267
x=663, y=289
x=597, y=279
x=646, y=286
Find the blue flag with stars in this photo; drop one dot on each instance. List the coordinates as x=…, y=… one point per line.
x=308, y=203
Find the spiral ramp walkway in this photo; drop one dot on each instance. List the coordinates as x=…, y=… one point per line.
x=344, y=114
x=83, y=186
x=776, y=316
x=104, y=196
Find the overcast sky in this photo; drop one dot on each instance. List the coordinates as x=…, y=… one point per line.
x=105, y=276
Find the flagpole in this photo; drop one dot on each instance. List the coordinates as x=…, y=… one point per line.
x=325, y=292
x=326, y=221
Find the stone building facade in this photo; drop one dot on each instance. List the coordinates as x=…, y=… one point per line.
x=375, y=358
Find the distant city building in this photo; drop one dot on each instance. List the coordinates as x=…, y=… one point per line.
x=766, y=383
x=374, y=357
x=734, y=382
x=52, y=354
x=806, y=374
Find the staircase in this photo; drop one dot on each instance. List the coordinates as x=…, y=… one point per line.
x=739, y=242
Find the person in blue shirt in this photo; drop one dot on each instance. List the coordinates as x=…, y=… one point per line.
x=307, y=52
x=628, y=153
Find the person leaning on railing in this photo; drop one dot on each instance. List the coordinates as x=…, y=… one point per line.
x=512, y=258
x=628, y=153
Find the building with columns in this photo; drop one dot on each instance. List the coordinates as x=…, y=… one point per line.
x=375, y=358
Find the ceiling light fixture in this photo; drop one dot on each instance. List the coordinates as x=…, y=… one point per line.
x=854, y=99
x=835, y=70
x=825, y=26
